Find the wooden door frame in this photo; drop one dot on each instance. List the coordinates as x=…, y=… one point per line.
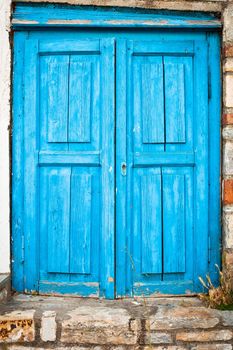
x=33, y=17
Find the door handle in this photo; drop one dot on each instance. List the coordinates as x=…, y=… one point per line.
x=123, y=169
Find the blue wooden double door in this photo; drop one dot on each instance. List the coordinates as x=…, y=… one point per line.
x=116, y=161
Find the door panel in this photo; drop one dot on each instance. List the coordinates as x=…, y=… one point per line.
x=74, y=172
x=163, y=181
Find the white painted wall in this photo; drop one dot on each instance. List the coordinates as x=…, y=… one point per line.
x=5, y=66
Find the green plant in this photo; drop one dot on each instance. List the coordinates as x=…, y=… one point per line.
x=220, y=297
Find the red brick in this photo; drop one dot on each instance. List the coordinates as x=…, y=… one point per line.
x=228, y=191
x=227, y=119
x=228, y=51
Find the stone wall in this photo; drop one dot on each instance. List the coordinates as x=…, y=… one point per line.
x=36, y=323
x=227, y=137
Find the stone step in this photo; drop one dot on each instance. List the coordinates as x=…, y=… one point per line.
x=36, y=322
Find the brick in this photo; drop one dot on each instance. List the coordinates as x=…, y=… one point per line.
x=99, y=325
x=227, y=119
x=228, y=51
x=48, y=326
x=228, y=191
x=213, y=347
x=228, y=98
x=17, y=326
x=182, y=317
x=227, y=219
x=158, y=338
x=228, y=158
x=204, y=336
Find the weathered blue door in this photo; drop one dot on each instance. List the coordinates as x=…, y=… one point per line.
x=167, y=156
x=115, y=188
x=69, y=165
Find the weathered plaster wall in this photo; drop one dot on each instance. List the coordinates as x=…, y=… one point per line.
x=225, y=7
x=5, y=65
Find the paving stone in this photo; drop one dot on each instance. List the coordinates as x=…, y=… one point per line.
x=213, y=347
x=204, y=336
x=48, y=326
x=158, y=338
x=100, y=325
x=17, y=326
x=182, y=317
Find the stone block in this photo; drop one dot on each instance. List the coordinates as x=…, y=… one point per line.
x=99, y=325
x=227, y=133
x=3, y=295
x=227, y=318
x=228, y=65
x=227, y=219
x=205, y=336
x=182, y=317
x=228, y=20
x=228, y=158
x=228, y=258
x=158, y=338
x=18, y=347
x=212, y=347
x=228, y=90
x=48, y=326
x=17, y=326
x=163, y=347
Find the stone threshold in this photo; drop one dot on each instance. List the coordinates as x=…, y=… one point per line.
x=174, y=323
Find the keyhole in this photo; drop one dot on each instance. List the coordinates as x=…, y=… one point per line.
x=123, y=169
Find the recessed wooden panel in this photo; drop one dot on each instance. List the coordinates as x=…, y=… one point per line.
x=152, y=108
x=174, y=223
x=58, y=220
x=80, y=94
x=174, y=100
x=151, y=224
x=81, y=222
x=57, y=98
